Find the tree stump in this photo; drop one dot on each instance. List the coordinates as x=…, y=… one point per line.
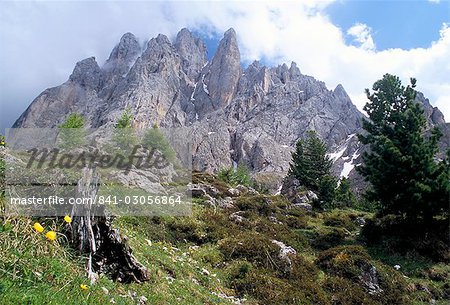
x=92, y=234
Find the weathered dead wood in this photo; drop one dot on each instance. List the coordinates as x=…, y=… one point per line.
x=92, y=235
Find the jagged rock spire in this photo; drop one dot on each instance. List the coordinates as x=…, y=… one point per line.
x=224, y=70
x=193, y=52
x=87, y=73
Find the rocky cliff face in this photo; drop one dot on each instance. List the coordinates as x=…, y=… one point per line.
x=253, y=115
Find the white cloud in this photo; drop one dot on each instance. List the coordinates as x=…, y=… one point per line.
x=362, y=34
x=39, y=49
x=434, y=1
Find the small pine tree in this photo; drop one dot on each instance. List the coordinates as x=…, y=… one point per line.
x=126, y=119
x=312, y=167
x=239, y=176
x=124, y=135
x=310, y=162
x=327, y=192
x=72, y=132
x=344, y=195
x=406, y=179
x=154, y=138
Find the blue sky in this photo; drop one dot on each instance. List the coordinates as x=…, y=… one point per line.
x=402, y=24
x=352, y=43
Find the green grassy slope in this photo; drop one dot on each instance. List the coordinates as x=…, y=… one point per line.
x=214, y=257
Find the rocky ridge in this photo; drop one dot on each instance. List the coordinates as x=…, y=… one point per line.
x=231, y=114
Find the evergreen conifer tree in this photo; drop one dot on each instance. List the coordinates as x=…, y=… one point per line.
x=406, y=179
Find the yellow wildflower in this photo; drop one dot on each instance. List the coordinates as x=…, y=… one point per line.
x=67, y=219
x=84, y=287
x=51, y=235
x=37, y=226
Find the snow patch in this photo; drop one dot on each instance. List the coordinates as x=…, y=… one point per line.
x=336, y=155
x=279, y=190
x=205, y=87
x=351, y=136
x=193, y=91
x=349, y=166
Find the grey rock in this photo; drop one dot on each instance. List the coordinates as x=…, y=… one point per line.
x=224, y=71
x=201, y=190
x=120, y=61
x=234, y=192
x=230, y=114
x=226, y=203
x=296, y=194
x=87, y=73
x=360, y=221
x=237, y=217
x=312, y=196
x=369, y=277
x=286, y=255
x=305, y=206
x=193, y=53
x=242, y=188
x=196, y=190
x=145, y=179
x=274, y=220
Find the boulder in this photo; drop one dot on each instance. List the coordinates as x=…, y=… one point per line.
x=286, y=255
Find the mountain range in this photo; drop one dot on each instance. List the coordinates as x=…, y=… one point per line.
x=252, y=114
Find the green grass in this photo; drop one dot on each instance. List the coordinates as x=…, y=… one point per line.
x=36, y=271
x=194, y=259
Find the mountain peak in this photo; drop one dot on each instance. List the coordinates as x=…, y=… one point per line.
x=225, y=70
x=230, y=33
x=87, y=73
x=127, y=48
x=193, y=52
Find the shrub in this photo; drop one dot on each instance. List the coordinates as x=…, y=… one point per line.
x=260, y=204
x=330, y=239
x=124, y=136
x=350, y=262
x=269, y=289
x=72, y=132
x=344, y=261
x=345, y=292
x=253, y=247
x=187, y=228
x=218, y=225
x=396, y=235
x=296, y=222
x=340, y=220
x=239, y=176
x=154, y=138
x=344, y=195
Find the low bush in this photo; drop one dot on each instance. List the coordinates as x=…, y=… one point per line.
x=350, y=262
x=340, y=220
x=296, y=222
x=329, y=239
x=253, y=247
x=260, y=204
x=344, y=261
x=236, y=176
x=398, y=236
x=345, y=292
x=269, y=289
x=187, y=229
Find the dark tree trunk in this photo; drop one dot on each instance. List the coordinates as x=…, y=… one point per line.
x=92, y=235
